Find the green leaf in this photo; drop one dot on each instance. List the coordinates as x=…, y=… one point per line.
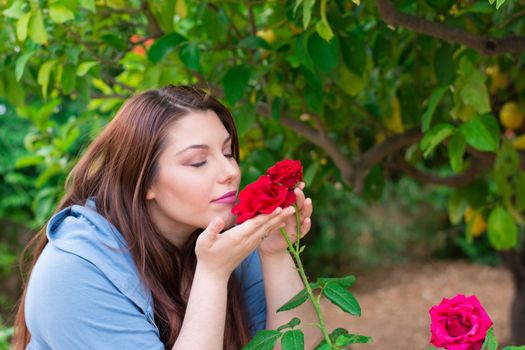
x=502, y=231
x=296, y=6
x=36, y=29
x=505, y=167
x=235, y=82
x=21, y=26
x=14, y=91
x=434, y=137
x=341, y=297
x=84, y=67
x=347, y=339
x=21, y=63
x=307, y=12
x=323, y=53
x=297, y=300
x=472, y=88
x=51, y=170
x=15, y=11
x=349, y=82
x=445, y=67
x=68, y=78
x=254, y=42
x=333, y=336
x=60, y=13
x=478, y=7
x=522, y=347
x=263, y=340
x=499, y=3
x=520, y=191
x=245, y=118
x=88, y=5
x=164, y=45
x=293, y=340
x=456, y=207
x=323, y=29
x=30, y=160
x=456, y=150
x=490, y=342
x=301, y=51
x=432, y=104
x=346, y=281
x=353, y=50
x=293, y=322
x=309, y=173
x=190, y=56
x=276, y=108
x=482, y=132
x=43, y=76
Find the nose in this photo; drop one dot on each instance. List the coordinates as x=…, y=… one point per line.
x=229, y=170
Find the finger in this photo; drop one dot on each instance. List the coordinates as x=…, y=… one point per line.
x=307, y=209
x=306, y=226
x=302, y=185
x=209, y=235
x=299, y=197
x=261, y=219
x=277, y=222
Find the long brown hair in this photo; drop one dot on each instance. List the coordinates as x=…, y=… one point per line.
x=117, y=169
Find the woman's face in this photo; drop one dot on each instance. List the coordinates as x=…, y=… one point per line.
x=195, y=169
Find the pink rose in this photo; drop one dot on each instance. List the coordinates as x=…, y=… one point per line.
x=459, y=323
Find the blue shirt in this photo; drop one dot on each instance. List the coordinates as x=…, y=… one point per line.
x=85, y=292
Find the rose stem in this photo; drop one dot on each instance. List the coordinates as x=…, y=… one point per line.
x=314, y=301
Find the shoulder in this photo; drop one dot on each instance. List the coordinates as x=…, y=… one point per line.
x=84, y=307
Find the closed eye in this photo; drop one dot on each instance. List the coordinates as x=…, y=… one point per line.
x=199, y=164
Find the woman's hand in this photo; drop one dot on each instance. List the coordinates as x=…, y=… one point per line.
x=220, y=253
x=275, y=242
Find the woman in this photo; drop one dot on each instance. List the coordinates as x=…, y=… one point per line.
x=141, y=251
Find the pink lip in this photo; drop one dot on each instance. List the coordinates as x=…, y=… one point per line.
x=229, y=198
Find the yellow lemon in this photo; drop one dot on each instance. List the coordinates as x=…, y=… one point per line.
x=267, y=35
x=379, y=137
x=511, y=115
x=499, y=80
x=476, y=222
x=519, y=142
x=394, y=123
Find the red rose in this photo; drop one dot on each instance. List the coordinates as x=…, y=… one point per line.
x=286, y=172
x=261, y=197
x=459, y=323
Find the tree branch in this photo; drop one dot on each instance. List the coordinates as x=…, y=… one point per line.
x=318, y=138
x=378, y=152
x=476, y=169
x=483, y=44
x=154, y=28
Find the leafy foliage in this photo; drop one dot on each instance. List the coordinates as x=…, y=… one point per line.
x=363, y=96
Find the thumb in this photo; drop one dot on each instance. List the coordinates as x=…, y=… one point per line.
x=214, y=228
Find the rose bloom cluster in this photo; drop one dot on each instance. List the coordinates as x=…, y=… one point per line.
x=459, y=323
x=272, y=190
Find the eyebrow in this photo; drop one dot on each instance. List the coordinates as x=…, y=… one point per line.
x=200, y=146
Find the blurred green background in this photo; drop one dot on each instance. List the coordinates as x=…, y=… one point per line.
x=408, y=115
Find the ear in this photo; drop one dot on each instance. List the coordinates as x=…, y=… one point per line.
x=150, y=195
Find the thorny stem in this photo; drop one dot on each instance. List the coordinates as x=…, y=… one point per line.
x=295, y=253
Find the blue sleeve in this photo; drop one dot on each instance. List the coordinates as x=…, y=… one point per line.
x=70, y=304
x=250, y=276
